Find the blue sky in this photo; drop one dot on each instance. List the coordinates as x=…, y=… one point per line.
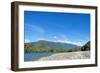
x=58, y=27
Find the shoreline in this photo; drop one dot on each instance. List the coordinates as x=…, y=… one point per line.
x=67, y=56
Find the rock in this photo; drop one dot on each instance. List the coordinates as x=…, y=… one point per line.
x=67, y=56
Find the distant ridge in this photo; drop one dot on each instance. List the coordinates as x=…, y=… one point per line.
x=51, y=45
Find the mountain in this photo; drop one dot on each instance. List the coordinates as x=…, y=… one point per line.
x=86, y=46
x=50, y=45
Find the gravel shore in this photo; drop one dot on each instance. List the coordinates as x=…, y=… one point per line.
x=67, y=55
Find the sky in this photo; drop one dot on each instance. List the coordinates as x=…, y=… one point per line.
x=71, y=28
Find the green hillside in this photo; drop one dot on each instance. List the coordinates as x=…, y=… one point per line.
x=49, y=46
x=86, y=47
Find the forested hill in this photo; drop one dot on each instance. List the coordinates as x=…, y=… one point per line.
x=50, y=45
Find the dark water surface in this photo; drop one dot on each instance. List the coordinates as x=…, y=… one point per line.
x=34, y=56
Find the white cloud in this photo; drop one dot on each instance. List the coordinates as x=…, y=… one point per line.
x=64, y=39
x=26, y=40
x=35, y=28
x=38, y=29
x=55, y=37
x=71, y=42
